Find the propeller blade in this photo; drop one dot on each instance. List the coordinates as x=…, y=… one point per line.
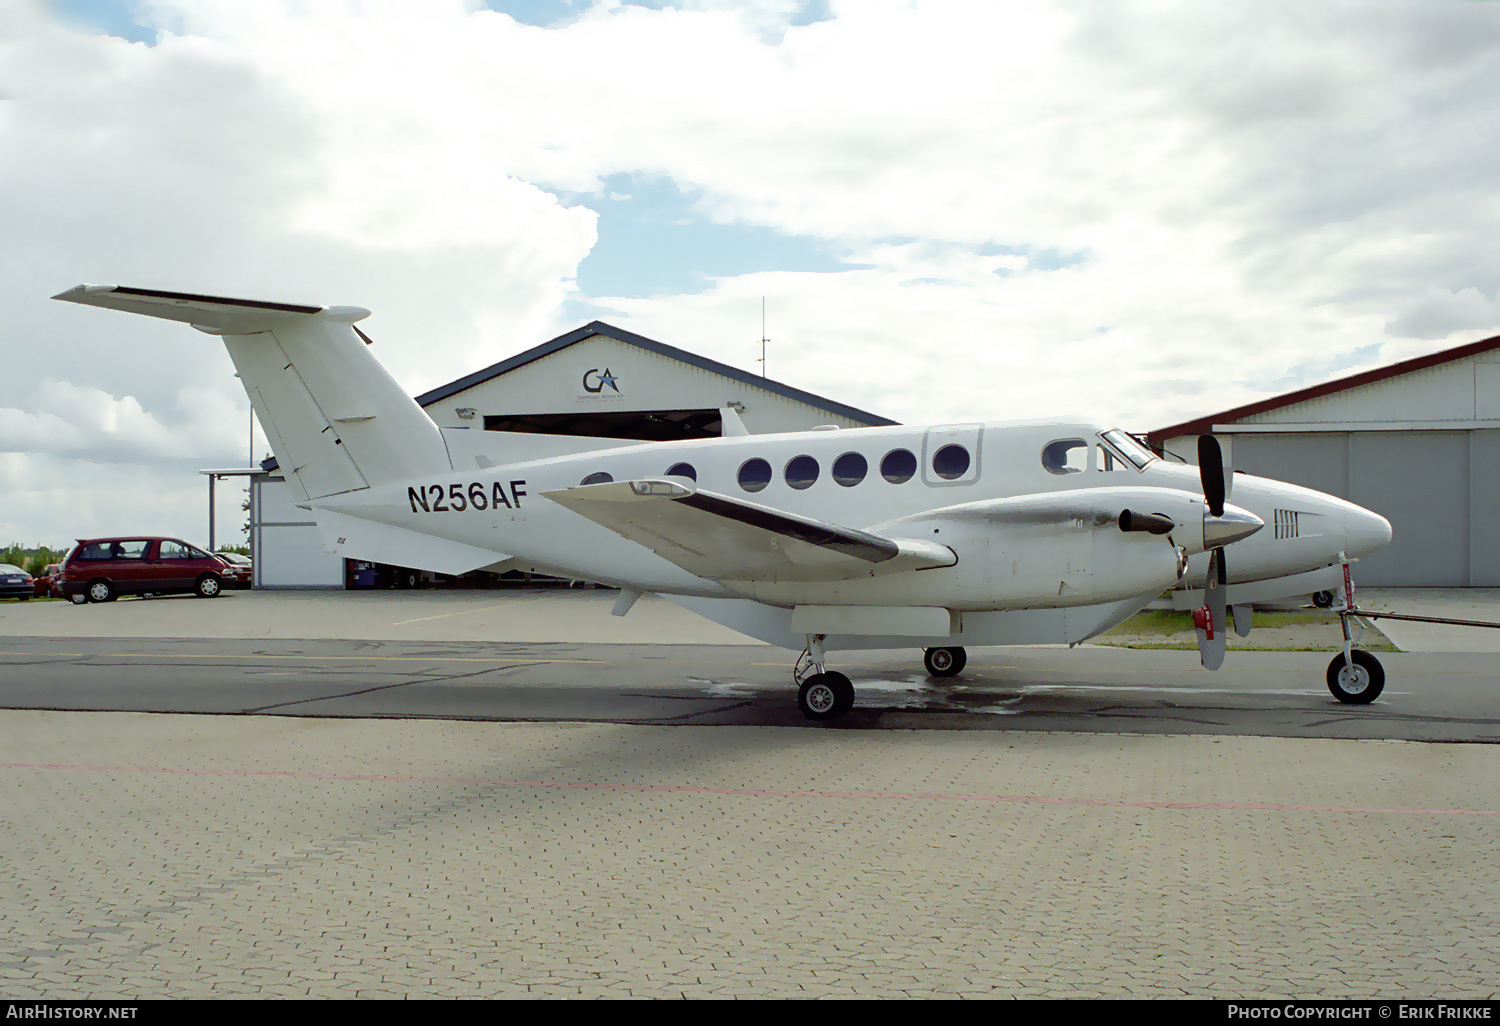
x=1211, y=472
x=1242, y=617
x=1211, y=649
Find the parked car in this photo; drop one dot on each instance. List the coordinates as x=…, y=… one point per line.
x=14, y=582
x=46, y=584
x=238, y=569
x=102, y=569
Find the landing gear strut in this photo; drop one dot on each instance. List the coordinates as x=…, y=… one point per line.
x=824, y=694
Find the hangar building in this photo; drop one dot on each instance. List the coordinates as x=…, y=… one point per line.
x=1417, y=442
x=597, y=380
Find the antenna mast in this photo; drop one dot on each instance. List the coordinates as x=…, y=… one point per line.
x=763, y=339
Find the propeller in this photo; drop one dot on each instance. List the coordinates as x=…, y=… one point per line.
x=1221, y=527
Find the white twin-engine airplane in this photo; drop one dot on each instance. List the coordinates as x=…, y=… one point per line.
x=889, y=537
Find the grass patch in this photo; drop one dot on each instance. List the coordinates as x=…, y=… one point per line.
x=1174, y=621
x=1173, y=629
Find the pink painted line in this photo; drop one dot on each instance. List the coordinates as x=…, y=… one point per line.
x=753, y=792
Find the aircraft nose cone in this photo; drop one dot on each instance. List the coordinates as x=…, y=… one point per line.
x=1365, y=532
x=1236, y=523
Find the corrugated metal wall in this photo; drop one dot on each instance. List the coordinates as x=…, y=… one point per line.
x=1439, y=489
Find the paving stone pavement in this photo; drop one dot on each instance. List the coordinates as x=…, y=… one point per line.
x=188, y=856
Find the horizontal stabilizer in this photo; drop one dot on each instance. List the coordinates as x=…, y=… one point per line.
x=720, y=538
x=337, y=421
x=212, y=313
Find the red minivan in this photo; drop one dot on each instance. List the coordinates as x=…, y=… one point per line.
x=102, y=569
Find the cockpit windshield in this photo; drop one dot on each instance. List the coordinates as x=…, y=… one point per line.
x=1128, y=447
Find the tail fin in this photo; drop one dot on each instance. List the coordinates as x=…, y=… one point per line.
x=336, y=419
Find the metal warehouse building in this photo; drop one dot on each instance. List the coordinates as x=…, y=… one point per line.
x=1417, y=442
x=598, y=381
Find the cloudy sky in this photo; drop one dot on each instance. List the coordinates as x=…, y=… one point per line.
x=1140, y=211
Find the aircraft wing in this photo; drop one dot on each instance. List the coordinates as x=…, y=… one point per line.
x=724, y=539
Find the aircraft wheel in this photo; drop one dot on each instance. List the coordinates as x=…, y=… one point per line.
x=944, y=662
x=1359, y=684
x=824, y=696
x=1323, y=599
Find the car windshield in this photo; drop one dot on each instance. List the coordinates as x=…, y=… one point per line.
x=1128, y=447
x=8, y=568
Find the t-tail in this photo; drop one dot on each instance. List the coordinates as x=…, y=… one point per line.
x=336, y=420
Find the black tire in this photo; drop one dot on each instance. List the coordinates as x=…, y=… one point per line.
x=101, y=591
x=409, y=579
x=1361, y=684
x=1323, y=599
x=209, y=586
x=24, y=598
x=825, y=696
x=79, y=599
x=945, y=662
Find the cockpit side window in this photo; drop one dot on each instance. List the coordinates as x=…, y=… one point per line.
x=1066, y=456
x=1128, y=447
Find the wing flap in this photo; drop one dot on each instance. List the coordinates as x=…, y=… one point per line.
x=720, y=538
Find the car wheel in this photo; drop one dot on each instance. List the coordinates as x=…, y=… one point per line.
x=101, y=591
x=208, y=586
x=79, y=600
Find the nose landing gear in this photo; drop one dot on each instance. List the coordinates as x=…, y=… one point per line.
x=1355, y=677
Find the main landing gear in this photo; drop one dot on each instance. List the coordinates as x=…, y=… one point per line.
x=944, y=662
x=824, y=694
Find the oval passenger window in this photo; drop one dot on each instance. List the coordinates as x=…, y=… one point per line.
x=755, y=474
x=951, y=462
x=898, y=466
x=801, y=472
x=850, y=469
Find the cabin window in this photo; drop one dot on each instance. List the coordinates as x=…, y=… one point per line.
x=1066, y=456
x=850, y=469
x=755, y=474
x=801, y=472
x=898, y=466
x=682, y=470
x=950, y=462
x=597, y=478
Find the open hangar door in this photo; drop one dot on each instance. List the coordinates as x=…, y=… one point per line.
x=1439, y=490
